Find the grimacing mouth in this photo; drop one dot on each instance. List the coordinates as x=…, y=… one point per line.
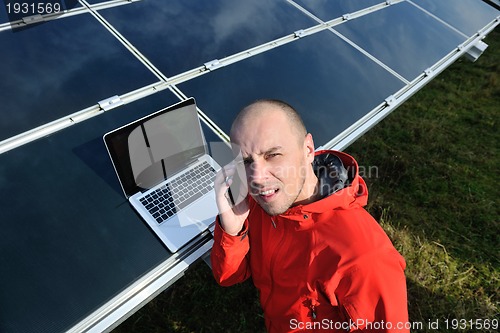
x=264, y=190
x=268, y=192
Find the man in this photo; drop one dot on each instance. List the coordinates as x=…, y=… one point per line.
x=320, y=261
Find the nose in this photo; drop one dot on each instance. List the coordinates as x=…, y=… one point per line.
x=257, y=172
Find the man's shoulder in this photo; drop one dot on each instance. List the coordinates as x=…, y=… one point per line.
x=353, y=229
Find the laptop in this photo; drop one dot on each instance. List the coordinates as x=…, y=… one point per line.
x=165, y=171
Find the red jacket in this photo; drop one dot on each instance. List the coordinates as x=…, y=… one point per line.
x=322, y=267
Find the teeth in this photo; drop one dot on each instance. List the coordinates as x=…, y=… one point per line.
x=267, y=192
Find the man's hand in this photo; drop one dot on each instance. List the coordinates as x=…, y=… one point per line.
x=231, y=179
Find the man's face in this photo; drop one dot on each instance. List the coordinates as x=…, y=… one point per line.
x=276, y=160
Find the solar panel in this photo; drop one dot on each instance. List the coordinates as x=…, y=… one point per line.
x=467, y=16
x=185, y=35
x=160, y=42
x=61, y=256
x=343, y=64
x=328, y=10
x=61, y=67
x=320, y=75
x=403, y=37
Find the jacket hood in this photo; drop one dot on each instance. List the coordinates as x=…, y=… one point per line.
x=340, y=184
x=331, y=173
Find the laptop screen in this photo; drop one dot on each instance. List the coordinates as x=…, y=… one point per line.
x=149, y=150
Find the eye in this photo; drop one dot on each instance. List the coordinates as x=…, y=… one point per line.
x=269, y=156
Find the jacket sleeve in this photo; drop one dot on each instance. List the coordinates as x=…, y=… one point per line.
x=229, y=256
x=373, y=294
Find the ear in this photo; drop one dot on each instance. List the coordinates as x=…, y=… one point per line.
x=309, y=148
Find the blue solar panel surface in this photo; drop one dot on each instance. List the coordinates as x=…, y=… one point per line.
x=69, y=240
x=61, y=67
x=185, y=35
x=403, y=37
x=78, y=243
x=328, y=10
x=459, y=15
x=316, y=74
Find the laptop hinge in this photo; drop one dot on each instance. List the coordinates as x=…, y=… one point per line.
x=195, y=160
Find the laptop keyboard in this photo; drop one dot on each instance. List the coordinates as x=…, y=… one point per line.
x=164, y=202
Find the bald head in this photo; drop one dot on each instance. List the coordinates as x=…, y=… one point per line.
x=262, y=109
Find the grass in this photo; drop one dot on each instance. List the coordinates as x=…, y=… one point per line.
x=435, y=194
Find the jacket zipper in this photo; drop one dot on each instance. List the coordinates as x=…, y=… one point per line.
x=273, y=263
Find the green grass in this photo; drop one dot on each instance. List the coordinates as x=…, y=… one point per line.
x=435, y=194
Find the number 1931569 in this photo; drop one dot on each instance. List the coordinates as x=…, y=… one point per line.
x=33, y=8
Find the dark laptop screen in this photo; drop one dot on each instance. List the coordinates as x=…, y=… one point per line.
x=147, y=151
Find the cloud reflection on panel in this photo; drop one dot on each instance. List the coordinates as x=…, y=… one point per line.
x=60, y=67
x=186, y=34
x=327, y=10
x=468, y=16
x=403, y=37
x=330, y=83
